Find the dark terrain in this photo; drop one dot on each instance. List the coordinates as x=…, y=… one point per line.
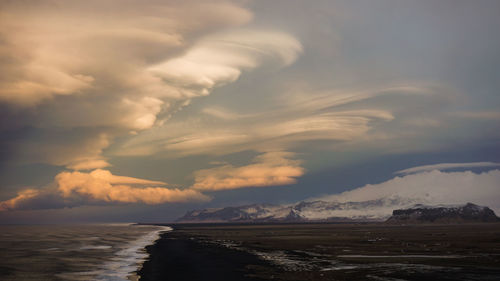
x=176, y=257
x=468, y=213
x=326, y=252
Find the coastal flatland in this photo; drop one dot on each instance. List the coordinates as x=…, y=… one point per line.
x=360, y=251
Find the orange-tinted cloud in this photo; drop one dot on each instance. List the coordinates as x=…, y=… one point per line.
x=22, y=196
x=268, y=169
x=78, y=188
x=101, y=185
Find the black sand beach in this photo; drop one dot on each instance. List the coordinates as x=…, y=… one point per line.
x=178, y=257
x=323, y=252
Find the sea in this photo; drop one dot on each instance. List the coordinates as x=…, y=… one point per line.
x=107, y=252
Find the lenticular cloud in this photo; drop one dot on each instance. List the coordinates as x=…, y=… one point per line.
x=433, y=187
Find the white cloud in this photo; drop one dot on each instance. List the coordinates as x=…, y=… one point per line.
x=142, y=113
x=219, y=59
x=431, y=187
x=447, y=166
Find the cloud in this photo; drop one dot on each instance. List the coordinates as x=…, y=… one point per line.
x=99, y=186
x=57, y=48
x=447, y=166
x=219, y=59
x=88, y=67
x=78, y=149
x=89, y=164
x=430, y=187
x=106, y=176
x=21, y=197
x=341, y=116
x=143, y=112
x=268, y=169
x=225, y=114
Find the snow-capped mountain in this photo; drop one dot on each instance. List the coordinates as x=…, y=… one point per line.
x=379, y=209
x=443, y=214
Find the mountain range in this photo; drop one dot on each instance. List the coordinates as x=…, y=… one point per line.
x=372, y=210
x=402, y=210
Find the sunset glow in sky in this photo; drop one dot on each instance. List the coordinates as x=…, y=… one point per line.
x=142, y=110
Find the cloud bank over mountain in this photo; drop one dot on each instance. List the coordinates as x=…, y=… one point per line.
x=373, y=202
x=447, y=166
x=430, y=187
x=270, y=169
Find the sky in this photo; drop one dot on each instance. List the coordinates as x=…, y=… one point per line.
x=142, y=110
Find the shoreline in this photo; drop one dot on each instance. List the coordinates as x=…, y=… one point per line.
x=175, y=256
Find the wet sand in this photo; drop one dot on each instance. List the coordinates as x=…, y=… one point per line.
x=326, y=252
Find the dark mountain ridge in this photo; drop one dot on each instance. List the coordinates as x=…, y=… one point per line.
x=443, y=214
